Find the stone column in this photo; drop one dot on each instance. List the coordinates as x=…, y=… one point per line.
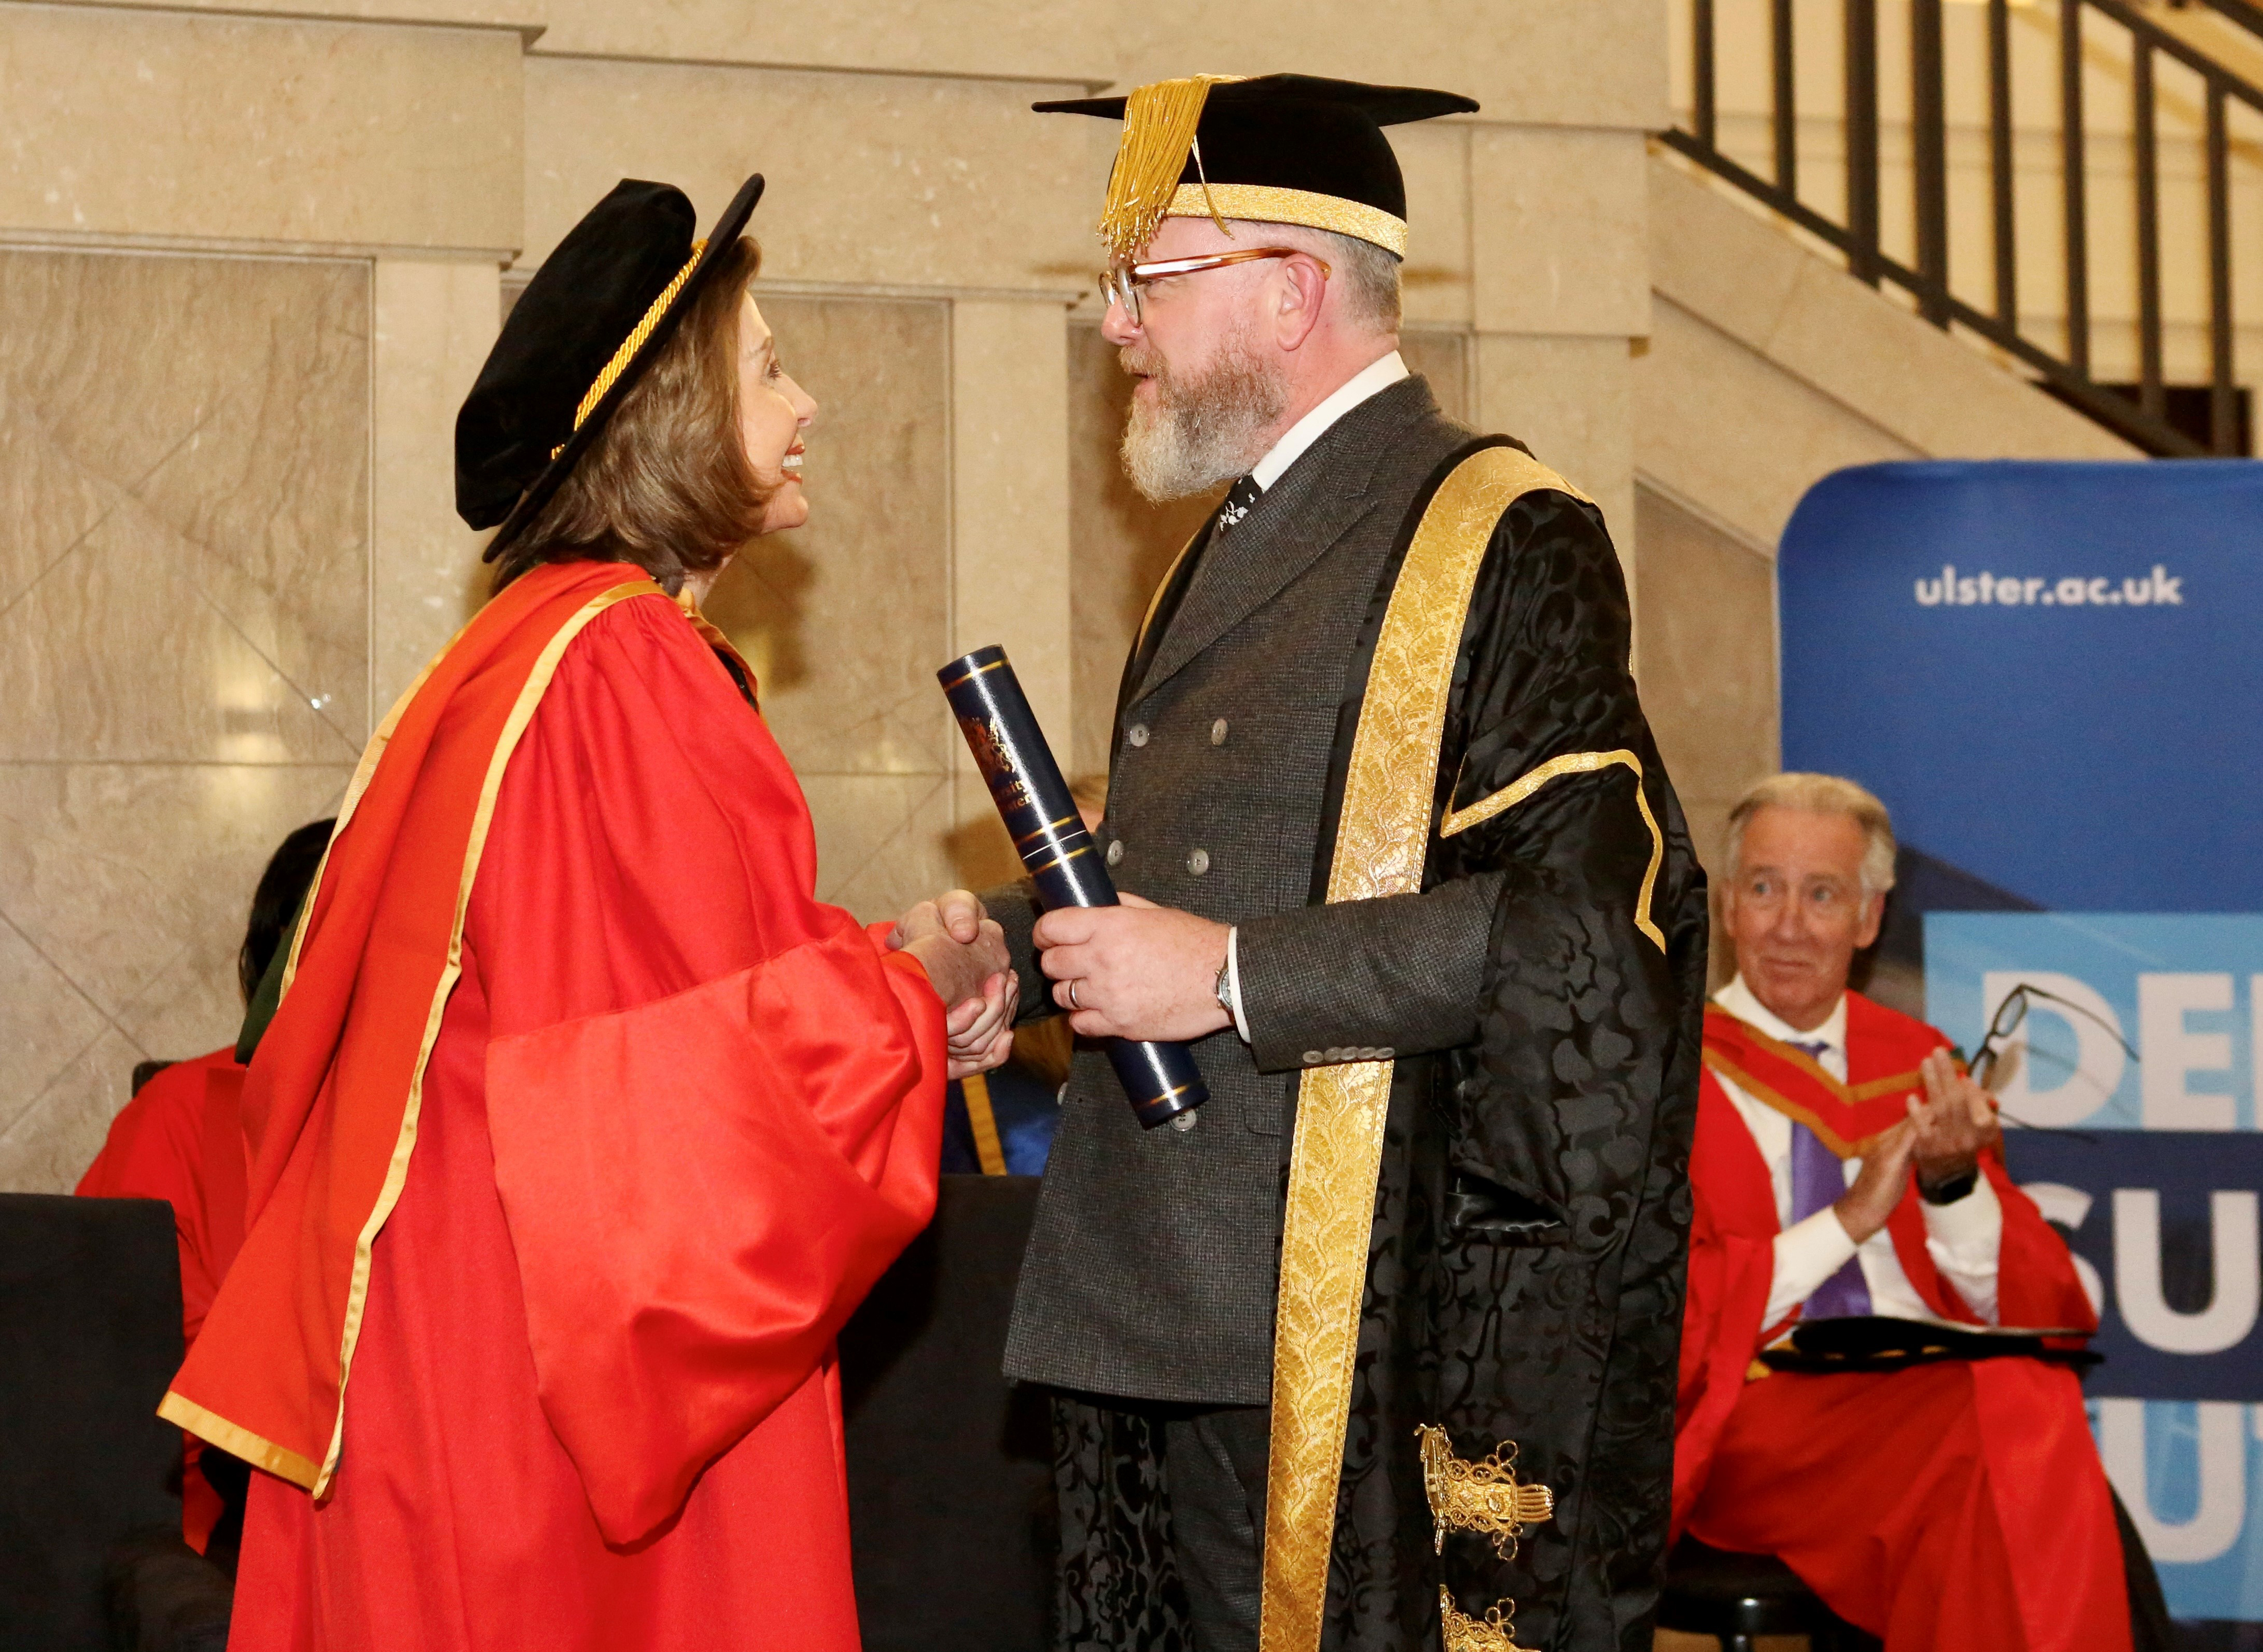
x=1559, y=228
x=1009, y=463
x=435, y=322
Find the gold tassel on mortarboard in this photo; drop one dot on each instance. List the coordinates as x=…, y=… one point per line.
x=1159, y=134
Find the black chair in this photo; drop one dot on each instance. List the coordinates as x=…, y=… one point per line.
x=89, y=1335
x=1736, y=1597
x=950, y=1490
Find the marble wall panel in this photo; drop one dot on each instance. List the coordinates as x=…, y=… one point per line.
x=215, y=605
x=885, y=180
x=183, y=658
x=846, y=619
x=1120, y=547
x=154, y=125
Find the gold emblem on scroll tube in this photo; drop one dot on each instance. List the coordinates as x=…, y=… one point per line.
x=1479, y=1497
x=989, y=751
x=1461, y=1633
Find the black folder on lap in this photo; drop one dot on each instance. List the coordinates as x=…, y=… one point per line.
x=1877, y=1342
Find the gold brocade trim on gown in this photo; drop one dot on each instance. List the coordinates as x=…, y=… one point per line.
x=1382, y=841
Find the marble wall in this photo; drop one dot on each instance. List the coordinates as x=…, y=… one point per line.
x=184, y=669
x=845, y=620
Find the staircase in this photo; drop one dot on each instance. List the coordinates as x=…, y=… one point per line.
x=2074, y=187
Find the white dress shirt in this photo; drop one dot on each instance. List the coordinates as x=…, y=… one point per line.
x=1377, y=375
x=1964, y=1239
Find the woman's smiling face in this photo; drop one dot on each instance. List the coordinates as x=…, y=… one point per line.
x=773, y=412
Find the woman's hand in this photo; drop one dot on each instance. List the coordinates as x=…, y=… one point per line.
x=980, y=1033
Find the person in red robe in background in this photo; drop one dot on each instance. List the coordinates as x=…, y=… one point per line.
x=180, y=1139
x=581, y=1125
x=1846, y=1165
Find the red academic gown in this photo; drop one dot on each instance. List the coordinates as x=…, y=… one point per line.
x=675, y=1118
x=181, y=1140
x=1955, y=1507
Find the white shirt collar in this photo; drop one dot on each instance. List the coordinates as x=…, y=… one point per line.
x=1377, y=375
x=1738, y=1000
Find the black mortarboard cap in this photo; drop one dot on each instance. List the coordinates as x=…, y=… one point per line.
x=1281, y=148
x=594, y=318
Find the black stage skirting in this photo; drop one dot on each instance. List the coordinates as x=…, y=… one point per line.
x=951, y=1498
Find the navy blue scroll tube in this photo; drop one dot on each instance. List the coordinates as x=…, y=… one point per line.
x=1059, y=853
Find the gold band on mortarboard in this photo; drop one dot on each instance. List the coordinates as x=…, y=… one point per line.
x=1268, y=204
x=613, y=369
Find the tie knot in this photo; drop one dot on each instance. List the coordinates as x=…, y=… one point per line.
x=1239, y=500
x=1812, y=1048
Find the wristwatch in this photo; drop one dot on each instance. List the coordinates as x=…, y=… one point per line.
x=1949, y=1191
x=1223, y=986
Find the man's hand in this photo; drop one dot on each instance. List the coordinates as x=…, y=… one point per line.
x=963, y=954
x=1862, y=1209
x=1953, y=1123
x=957, y=912
x=1138, y=970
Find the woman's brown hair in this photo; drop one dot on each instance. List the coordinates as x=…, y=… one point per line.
x=666, y=484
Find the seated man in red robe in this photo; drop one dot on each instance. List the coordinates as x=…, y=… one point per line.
x=181, y=1139
x=1844, y=1165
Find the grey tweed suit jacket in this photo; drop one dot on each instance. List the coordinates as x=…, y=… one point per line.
x=1152, y=1268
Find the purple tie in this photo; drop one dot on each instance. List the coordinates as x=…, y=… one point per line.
x=1818, y=1182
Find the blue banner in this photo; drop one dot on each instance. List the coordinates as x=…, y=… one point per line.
x=2052, y=675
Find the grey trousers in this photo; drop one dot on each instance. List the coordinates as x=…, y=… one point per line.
x=1215, y=1464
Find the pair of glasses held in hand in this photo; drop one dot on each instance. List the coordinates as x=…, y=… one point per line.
x=1121, y=283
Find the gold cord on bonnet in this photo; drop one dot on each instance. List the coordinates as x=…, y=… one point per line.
x=613, y=369
x=1159, y=134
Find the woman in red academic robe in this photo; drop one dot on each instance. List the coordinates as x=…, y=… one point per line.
x=581, y=1125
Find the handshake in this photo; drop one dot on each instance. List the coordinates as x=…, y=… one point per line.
x=1138, y=971
x=962, y=950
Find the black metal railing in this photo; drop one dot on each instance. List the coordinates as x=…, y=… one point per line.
x=2138, y=413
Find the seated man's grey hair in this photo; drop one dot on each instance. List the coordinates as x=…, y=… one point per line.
x=1822, y=794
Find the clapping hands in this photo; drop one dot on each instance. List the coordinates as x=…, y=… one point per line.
x=964, y=953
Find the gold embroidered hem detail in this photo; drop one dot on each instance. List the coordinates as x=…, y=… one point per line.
x=1577, y=763
x=1265, y=203
x=1484, y=1497
x=1382, y=842
x=1461, y=1633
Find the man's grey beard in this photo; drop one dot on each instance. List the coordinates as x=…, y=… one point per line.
x=1199, y=433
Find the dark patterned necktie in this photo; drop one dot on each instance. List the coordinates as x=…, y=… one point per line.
x=1239, y=500
x=1818, y=1182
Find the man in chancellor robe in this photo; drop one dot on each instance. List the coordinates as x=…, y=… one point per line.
x=180, y=1138
x=581, y=1125
x=1401, y=863
x=1846, y=1165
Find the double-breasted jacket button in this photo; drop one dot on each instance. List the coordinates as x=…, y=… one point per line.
x=1218, y=732
x=1186, y=1120
x=1198, y=862
x=1136, y=733
x=1116, y=852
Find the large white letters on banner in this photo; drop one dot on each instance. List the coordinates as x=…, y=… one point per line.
x=2098, y=1060
x=2231, y=1312
x=2172, y=1051
x=2222, y=1450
